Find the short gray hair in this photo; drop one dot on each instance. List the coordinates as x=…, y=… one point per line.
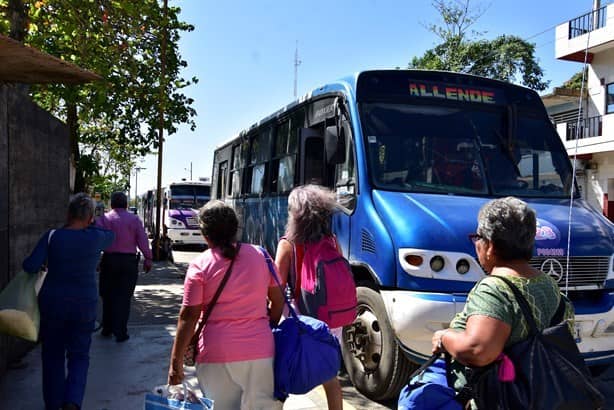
x=510, y=225
x=81, y=207
x=310, y=208
x=119, y=200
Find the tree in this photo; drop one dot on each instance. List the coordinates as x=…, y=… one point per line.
x=507, y=58
x=113, y=121
x=575, y=82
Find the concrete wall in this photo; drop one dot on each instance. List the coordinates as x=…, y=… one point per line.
x=34, y=187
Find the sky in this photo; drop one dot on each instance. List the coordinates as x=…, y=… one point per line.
x=243, y=52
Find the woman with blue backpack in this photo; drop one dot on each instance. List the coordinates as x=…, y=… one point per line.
x=309, y=257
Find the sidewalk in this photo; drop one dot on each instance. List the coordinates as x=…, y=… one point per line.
x=121, y=373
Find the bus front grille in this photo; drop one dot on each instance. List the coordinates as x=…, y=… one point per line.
x=583, y=270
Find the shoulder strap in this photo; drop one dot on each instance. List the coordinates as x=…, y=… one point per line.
x=559, y=315
x=269, y=263
x=294, y=277
x=201, y=325
x=51, y=232
x=522, y=302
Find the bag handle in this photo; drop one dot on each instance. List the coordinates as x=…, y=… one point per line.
x=424, y=366
x=201, y=325
x=269, y=263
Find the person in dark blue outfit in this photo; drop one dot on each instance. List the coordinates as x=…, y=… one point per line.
x=67, y=302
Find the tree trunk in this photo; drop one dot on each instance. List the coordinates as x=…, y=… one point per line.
x=73, y=132
x=18, y=19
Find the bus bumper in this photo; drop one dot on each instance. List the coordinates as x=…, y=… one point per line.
x=414, y=316
x=185, y=236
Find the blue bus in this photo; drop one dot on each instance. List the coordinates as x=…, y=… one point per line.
x=412, y=156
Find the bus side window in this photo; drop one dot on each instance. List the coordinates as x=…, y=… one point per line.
x=235, y=176
x=260, y=154
x=222, y=180
x=314, y=161
x=284, y=162
x=312, y=157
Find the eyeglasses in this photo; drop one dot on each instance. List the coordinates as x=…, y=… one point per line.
x=474, y=237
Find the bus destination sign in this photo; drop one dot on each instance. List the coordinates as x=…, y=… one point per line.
x=452, y=92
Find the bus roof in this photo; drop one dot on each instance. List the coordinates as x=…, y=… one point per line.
x=348, y=85
x=198, y=183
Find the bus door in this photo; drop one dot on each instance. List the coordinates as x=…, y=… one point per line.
x=323, y=162
x=340, y=154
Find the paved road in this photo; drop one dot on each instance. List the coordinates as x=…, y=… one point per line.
x=357, y=400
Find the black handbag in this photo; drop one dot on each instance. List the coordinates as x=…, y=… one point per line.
x=550, y=372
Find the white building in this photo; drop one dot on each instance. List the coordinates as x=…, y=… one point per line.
x=591, y=136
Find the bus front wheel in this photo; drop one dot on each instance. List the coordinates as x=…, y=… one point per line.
x=375, y=364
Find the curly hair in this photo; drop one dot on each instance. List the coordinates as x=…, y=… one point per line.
x=309, y=213
x=219, y=224
x=510, y=225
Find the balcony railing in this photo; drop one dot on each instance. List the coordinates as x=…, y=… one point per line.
x=587, y=22
x=588, y=127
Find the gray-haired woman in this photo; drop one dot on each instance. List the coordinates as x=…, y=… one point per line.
x=491, y=318
x=67, y=301
x=310, y=208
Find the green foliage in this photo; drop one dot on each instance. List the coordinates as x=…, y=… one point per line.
x=117, y=117
x=507, y=58
x=575, y=82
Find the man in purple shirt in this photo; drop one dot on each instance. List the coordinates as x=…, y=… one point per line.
x=119, y=266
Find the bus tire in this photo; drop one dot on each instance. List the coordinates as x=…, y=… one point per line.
x=375, y=364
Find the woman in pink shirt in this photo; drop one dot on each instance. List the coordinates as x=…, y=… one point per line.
x=236, y=348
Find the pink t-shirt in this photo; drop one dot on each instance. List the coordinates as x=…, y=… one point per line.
x=238, y=327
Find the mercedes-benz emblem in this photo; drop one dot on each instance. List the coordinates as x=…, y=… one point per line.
x=553, y=268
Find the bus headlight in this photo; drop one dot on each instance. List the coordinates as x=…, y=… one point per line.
x=175, y=223
x=440, y=265
x=437, y=263
x=462, y=266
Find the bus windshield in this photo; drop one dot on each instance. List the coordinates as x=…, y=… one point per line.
x=469, y=150
x=189, y=196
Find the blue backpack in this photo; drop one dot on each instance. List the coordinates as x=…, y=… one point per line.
x=306, y=353
x=428, y=389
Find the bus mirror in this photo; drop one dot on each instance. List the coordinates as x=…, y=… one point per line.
x=334, y=146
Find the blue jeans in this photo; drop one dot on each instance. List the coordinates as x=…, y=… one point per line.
x=66, y=330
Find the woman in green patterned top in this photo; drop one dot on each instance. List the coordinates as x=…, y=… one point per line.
x=491, y=319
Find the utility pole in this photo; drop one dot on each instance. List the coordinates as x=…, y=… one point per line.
x=136, y=185
x=297, y=62
x=161, y=125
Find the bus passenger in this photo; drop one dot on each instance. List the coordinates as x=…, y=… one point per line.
x=310, y=208
x=67, y=302
x=236, y=347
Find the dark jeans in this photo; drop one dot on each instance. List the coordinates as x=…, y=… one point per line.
x=118, y=275
x=66, y=330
